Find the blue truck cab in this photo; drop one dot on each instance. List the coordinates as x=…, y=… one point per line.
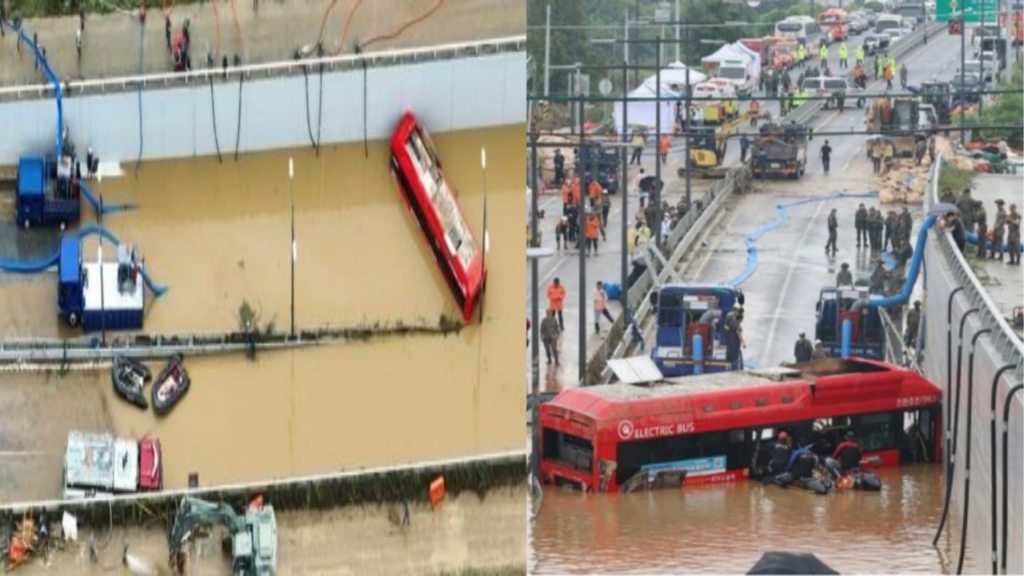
x=46, y=193
x=100, y=295
x=836, y=305
x=679, y=310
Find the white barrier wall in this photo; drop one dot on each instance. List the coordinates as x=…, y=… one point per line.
x=457, y=94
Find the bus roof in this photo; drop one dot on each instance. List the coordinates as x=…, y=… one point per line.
x=824, y=382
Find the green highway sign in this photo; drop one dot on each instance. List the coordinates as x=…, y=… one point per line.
x=952, y=9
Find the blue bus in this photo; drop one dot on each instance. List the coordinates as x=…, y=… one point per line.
x=684, y=311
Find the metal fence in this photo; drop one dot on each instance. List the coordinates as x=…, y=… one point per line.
x=273, y=69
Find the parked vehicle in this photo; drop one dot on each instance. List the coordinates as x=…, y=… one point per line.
x=834, y=20
x=966, y=87
x=803, y=29
x=894, y=34
x=98, y=465
x=99, y=295
x=740, y=73
x=888, y=22
x=875, y=43
x=47, y=194
x=722, y=105
x=834, y=87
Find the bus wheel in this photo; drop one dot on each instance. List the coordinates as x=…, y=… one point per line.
x=73, y=319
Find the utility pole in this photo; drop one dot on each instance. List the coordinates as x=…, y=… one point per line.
x=547, y=50
x=625, y=45
x=677, y=31
x=995, y=73
x=924, y=18
x=535, y=310
x=624, y=189
x=581, y=232
x=655, y=197
x=295, y=253
x=963, y=73
x=688, y=116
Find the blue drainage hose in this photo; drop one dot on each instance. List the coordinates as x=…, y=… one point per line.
x=972, y=238
x=107, y=208
x=42, y=265
x=49, y=76
x=783, y=217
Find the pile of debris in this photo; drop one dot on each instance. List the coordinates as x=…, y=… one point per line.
x=905, y=181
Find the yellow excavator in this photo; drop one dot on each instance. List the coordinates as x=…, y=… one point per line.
x=708, y=146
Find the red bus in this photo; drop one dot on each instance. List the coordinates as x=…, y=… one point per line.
x=417, y=170
x=834, y=18
x=719, y=427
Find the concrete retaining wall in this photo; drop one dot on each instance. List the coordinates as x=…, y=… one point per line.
x=177, y=122
x=943, y=273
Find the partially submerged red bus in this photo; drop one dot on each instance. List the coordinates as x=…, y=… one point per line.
x=417, y=170
x=719, y=427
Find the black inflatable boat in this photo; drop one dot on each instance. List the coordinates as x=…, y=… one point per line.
x=130, y=377
x=169, y=387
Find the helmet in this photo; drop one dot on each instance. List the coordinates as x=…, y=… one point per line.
x=849, y=434
x=783, y=435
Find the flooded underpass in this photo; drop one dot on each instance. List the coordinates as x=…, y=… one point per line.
x=218, y=234
x=725, y=528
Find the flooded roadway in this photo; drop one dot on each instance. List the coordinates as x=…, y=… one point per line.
x=220, y=233
x=724, y=529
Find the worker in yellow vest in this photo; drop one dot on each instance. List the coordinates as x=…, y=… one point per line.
x=801, y=54
x=823, y=54
x=892, y=63
x=860, y=54
x=843, y=53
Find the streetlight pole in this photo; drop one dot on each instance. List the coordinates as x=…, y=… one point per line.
x=963, y=72
x=581, y=233
x=624, y=188
x=688, y=116
x=547, y=50
x=656, y=196
x=295, y=254
x=677, y=31
x=924, y=20
x=535, y=310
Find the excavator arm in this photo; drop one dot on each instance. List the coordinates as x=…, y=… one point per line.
x=193, y=512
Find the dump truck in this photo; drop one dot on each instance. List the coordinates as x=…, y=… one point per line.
x=784, y=149
x=99, y=295
x=98, y=465
x=899, y=119
x=46, y=193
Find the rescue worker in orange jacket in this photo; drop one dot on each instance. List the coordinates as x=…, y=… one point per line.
x=594, y=191
x=556, y=301
x=593, y=232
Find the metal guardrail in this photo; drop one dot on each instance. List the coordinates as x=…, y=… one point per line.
x=498, y=458
x=1003, y=337
x=273, y=69
x=806, y=111
x=22, y=354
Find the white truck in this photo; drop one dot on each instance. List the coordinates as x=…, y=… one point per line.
x=99, y=465
x=740, y=73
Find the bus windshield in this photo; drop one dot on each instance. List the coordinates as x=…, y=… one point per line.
x=791, y=27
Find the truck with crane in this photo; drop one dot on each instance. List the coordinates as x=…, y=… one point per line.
x=251, y=537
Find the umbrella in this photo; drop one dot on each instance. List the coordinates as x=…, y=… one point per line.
x=790, y=563
x=650, y=184
x=880, y=137
x=942, y=209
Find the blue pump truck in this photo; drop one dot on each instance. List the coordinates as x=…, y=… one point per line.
x=684, y=311
x=46, y=193
x=99, y=295
x=836, y=305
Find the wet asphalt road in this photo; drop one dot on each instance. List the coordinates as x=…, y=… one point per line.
x=792, y=263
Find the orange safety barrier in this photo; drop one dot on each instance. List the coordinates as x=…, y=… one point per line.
x=437, y=491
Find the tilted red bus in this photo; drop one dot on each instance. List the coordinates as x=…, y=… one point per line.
x=417, y=170
x=719, y=427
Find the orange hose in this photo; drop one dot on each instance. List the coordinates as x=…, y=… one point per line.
x=348, y=21
x=216, y=15
x=404, y=27
x=238, y=28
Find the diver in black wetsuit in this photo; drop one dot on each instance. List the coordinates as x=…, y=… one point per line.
x=848, y=453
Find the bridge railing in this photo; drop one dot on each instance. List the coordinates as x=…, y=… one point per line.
x=274, y=69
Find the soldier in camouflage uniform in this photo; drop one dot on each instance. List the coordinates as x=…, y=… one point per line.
x=966, y=205
x=997, y=227
x=981, y=226
x=1013, y=234
x=879, y=226
x=906, y=224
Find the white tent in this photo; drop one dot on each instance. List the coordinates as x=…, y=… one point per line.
x=644, y=113
x=725, y=52
x=675, y=75
x=753, y=56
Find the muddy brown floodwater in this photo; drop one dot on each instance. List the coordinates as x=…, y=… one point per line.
x=724, y=529
x=220, y=233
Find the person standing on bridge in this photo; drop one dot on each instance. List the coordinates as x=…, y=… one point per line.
x=592, y=232
x=559, y=167
x=823, y=54
x=754, y=111
x=819, y=351
x=549, y=336
x=562, y=233
x=600, y=307
x=890, y=231
x=556, y=301
x=640, y=192
x=888, y=73
x=875, y=151
x=997, y=228
x=639, y=141
x=878, y=67
x=664, y=147
x=844, y=277
x=966, y=205
x=844, y=52
x=803, y=348
x=859, y=54
x=981, y=227
x=872, y=237
x=860, y=222
x=913, y=322
x=801, y=55
x=906, y=225
x=826, y=155
x=1013, y=234
x=955, y=227
x=833, y=231
x=606, y=208
x=594, y=192
x=734, y=336
x=903, y=75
